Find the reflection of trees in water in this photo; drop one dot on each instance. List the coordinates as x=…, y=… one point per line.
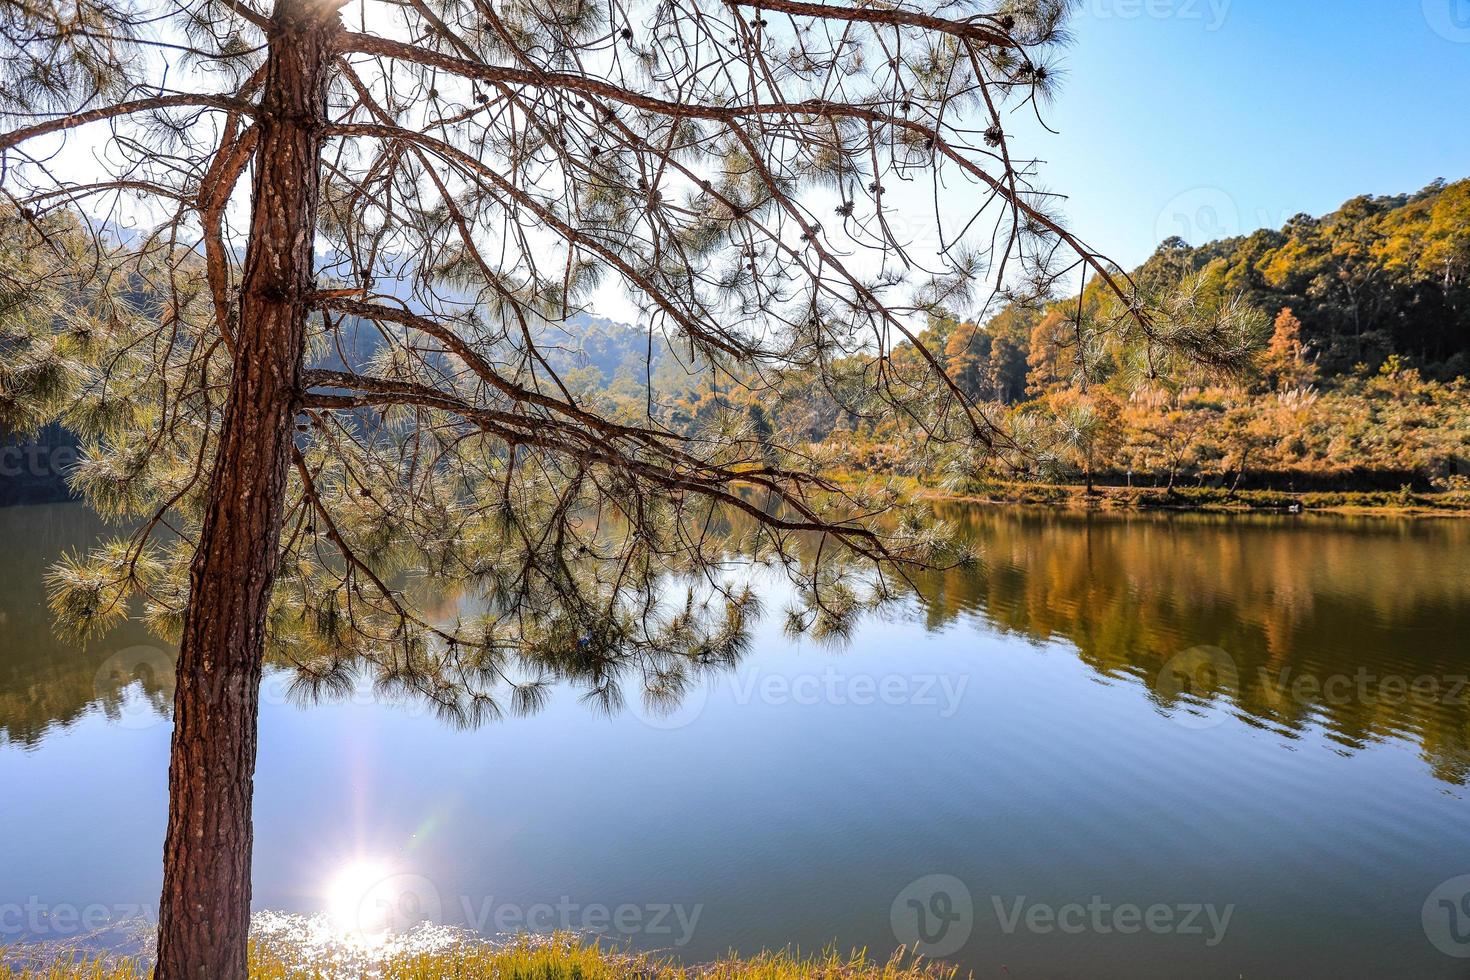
x=1362, y=606
x=1357, y=627
x=46, y=681
x=591, y=625
x=586, y=632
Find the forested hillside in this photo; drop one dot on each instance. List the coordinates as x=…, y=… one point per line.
x=1361, y=344
x=1381, y=278
x=1359, y=323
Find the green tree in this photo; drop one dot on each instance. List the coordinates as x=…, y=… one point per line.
x=321, y=362
x=1010, y=332
x=967, y=360
x=1089, y=426
x=1052, y=354
x=1380, y=275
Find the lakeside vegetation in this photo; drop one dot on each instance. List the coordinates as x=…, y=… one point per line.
x=1347, y=384
x=1210, y=500
x=1354, y=383
x=523, y=958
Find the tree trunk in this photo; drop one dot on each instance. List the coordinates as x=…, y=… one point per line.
x=204, y=914
x=1244, y=460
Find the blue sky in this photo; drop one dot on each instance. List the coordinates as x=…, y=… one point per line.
x=1210, y=117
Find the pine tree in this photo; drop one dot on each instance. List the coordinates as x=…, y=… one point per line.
x=313, y=375
x=1285, y=362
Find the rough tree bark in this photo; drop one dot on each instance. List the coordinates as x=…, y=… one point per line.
x=204, y=913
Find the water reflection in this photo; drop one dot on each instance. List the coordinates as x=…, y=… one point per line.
x=47, y=683
x=1012, y=728
x=1356, y=628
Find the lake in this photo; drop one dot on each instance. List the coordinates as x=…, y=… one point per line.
x=1116, y=747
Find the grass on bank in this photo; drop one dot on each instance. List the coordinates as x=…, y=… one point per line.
x=1403, y=502
x=1209, y=500
x=526, y=958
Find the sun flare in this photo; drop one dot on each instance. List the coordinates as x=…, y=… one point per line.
x=353, y=903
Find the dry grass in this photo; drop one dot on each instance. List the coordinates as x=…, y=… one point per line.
x=526, y=958
x=72, y=968
x=1389, y=503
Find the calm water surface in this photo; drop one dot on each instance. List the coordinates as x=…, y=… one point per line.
x=1117, y=748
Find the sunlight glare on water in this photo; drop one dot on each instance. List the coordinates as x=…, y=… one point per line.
x=352, y=903
x=317, y=942
x=368, y=902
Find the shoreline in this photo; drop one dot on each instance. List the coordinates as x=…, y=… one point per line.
x=439, y=953
x=1206, y=500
